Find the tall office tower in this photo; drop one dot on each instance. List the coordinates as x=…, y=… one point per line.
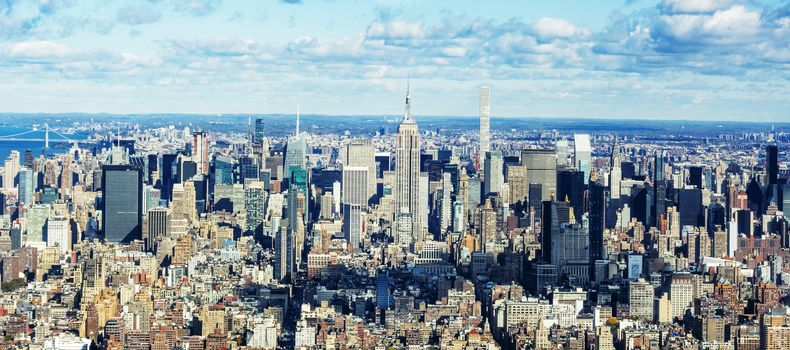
x=361, y=153
x=695, y=176
x=255, y=207
x=446, y=203
x=488, y=225
x=658, y=167
x=517, y=182
x=158, y=222
x=570, y=188
x=554, y=215
x=28, y=159
x=459, y=217
x=59, y=234
x=423, y=210
x=259, y=135
x=10, y=170
x=570, y=245
x=562, y=152
x=616, y=173
x=582, y=154
x=36, y=220
x=407, y=173
x=295, y=152
x=336, y=197
x=25, y=187
x=493, y=178
x=200, y=151
x=541, y=169
x=640, y=297
x=122, y=192
x=223, y=170
x=355, y=185
x=169, y=164
x=690, y=207
x=485, y=120
x=681, y=293
x=352, y=225
x=597, y=219
x=249, y=169
x=772, y=164
x=66, y=175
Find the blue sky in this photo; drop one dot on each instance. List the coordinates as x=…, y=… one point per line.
x=664, y=59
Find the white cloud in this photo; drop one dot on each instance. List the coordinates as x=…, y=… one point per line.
x=550, y=28
x=726, y=27
x=694, y=6
x=395, y=30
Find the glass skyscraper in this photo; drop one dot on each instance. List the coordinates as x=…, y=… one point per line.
x=122, y=217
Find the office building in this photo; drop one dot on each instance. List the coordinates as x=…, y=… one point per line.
x=122, y=192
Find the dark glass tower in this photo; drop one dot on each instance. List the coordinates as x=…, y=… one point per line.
x=122, y=218
x=772, y=164
x=597, y=221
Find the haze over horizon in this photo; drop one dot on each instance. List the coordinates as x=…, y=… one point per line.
x=663, y=59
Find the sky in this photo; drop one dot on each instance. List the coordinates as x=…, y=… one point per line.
x=659, y=59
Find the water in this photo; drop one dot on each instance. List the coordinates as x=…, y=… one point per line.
x=57, y=145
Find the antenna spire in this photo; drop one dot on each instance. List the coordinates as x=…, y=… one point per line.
x=408, y=99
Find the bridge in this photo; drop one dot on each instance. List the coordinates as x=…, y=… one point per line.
x=16, y=138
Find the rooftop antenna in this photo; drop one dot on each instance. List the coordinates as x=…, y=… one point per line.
x=408, y=98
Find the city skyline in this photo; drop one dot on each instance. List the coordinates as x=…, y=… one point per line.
x=707, y=60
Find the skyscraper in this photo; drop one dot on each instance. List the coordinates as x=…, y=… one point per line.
x=407, y=173
x=25, y=187
x=582, y=154
x=258, y=136
x=355, y=185
x=485, y=121
x=772, y=164
x=615, y=174
x=122, y=189
x=361, y=153
x=492, y=172
x=200, y=151
x=352, y=224
x=10, y=170
x=541, y=169
x=295, y=151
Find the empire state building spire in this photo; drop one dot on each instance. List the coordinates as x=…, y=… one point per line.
x=407, y=117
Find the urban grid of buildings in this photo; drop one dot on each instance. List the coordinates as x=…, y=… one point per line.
x=171, y=238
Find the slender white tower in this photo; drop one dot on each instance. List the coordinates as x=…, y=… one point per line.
x=485, y=121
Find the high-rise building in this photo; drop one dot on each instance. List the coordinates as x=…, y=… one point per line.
x=407, y=173
x=25, y=187
x=122, y=192
x=200, y=152
x=10, y=170
x=517, y=182
x=361, y=153
x=554, y=215
x=295, y=152
x=541, y=167
x=259, y=135
x=352, y=224
x=158, y=223
x=582, y=154
x=255, y=206
x=493, y=178
x=681, y=294
x=615, y=173
x=355, y=185
x=36, y=219
x=597, y=217
x=485, y=120
x=772, y=164
x=640, y=296
x=59, y=234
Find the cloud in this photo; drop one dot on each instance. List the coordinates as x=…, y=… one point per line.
x=694, y=6
x=396, y=29
x=138, y=14
x=291, y=1
x=197, y=7
x=735, y=25
x=551, y=28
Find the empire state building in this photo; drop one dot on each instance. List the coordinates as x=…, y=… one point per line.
x=407, y=177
